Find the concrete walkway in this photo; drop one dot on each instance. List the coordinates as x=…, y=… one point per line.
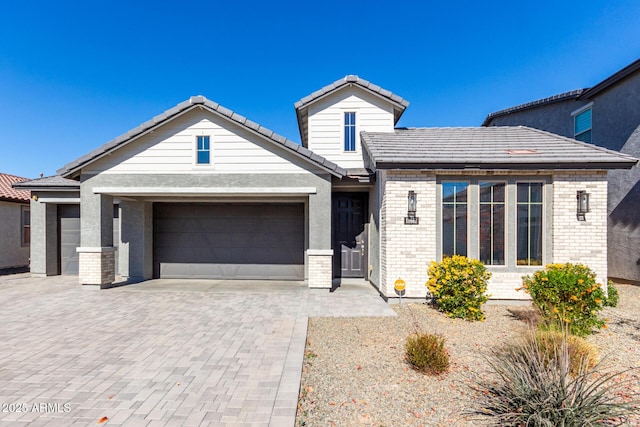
x=162, y=352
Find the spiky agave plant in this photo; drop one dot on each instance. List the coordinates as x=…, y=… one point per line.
x=533, y=389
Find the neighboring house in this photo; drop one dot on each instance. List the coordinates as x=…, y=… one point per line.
x=202, y=192
x=15, y=226
x=607, y=115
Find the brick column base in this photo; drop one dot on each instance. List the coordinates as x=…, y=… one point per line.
x=97, y=266
x=320, y=268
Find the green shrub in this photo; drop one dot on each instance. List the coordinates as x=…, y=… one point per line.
x=458, y=286
x=581, y=353
x=535, y=388
x=426, y=353
x=612, y=295
x=567, y=294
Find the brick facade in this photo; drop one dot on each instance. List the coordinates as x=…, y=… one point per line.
x=319, y=263
x=581, y=241
x=407, y=250
x=96, y=266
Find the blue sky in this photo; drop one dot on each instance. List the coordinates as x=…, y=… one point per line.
x=74, y=75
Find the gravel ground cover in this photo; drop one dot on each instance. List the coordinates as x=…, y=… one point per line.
x=354, y=371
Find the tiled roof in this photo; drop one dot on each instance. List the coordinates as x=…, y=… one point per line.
x=352, y=79
x=399, y=103
x=10, y=194
x=202, y=102
x=493, y=147
x=50, y=182
x=574, y=94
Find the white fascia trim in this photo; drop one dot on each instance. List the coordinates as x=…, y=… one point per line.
x=204, y=191
x=582, y=109
x=95, y=250
x=320, y=252
x=60, y=200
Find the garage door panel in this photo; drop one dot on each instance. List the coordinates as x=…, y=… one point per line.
x=248, y=271
x=243, y=241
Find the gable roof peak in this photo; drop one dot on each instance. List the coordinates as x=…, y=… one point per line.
x=70, y=170
x=197, y=99
x=398, y=103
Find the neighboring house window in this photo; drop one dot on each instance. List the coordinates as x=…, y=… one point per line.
x=582, y=126
x=492, y=222
x=454, y=218
x=26, y=226
x=350, y=131
x=529, y=221
x=204, y=151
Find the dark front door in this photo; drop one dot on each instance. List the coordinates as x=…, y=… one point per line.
x=349, y=238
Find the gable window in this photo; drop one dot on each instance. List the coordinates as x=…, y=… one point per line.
x=529, y=223
x=203, y=154
x=350, y=131
x=582, y=126
x=26, y=226
x=454, y=218
x=492, y=222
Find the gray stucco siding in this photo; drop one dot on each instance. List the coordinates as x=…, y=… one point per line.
x=555, y=117
x=12, y=251
x=616, y=115
x=44, y=238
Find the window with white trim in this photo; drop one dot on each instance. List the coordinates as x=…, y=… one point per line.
x=582, y=126
x=350, y=131
x=203, y=150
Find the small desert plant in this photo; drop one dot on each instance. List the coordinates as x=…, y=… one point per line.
x=567, y=294
x=581, y=353
x=458, y=286
x=426, y=353
x=535, y=388
x=612, y=295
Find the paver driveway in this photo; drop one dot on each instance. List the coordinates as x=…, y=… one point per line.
x=160, y=352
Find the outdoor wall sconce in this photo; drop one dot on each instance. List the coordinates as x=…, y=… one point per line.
x=583, y=205
x=411, y=217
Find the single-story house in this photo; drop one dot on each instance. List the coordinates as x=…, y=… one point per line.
x=15, y=225
x=203, y=192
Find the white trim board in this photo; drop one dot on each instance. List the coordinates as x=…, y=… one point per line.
x=203, y=191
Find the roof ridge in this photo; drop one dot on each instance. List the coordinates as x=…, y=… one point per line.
x=351, y=78
x=612, y=79
x=587, y=92
x=13, y=176
x=576, y=93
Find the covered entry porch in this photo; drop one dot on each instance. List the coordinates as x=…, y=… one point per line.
x=276, y=233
